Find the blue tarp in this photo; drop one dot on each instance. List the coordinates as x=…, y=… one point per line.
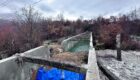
x=58, y=74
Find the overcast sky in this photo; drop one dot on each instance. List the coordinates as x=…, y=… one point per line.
x=71, y=9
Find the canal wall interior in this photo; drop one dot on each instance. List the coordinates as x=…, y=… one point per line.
x=72, y=41
x=11, y=69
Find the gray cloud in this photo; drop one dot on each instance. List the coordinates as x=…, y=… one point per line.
x=7, y=16
x=75, y=8
x=45, y=8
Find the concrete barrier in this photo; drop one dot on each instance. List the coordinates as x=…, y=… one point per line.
x=92, y=71
x=10, y=69
x=70, y=42
x=41, y=51
x=107, y=72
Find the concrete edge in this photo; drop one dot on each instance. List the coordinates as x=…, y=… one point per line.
x=107, y=72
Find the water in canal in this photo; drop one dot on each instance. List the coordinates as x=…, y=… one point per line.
x=80, y=46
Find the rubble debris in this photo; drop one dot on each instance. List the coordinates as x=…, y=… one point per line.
x=55, y=48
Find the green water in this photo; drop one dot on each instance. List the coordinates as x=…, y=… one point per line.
x=80, y=46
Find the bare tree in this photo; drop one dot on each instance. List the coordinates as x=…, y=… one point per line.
x=60, y=17
x=28, y=27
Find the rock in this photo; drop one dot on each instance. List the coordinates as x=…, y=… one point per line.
x=55, y=48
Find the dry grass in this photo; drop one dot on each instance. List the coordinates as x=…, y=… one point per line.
x=77, y=58
x=58, y=55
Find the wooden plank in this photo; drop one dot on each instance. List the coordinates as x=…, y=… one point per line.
x=53, y=63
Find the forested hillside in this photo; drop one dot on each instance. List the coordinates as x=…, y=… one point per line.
x=30, y=29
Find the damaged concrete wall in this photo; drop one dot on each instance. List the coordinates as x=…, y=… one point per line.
x=10, y=70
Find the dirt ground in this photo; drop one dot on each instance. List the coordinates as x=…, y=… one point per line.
x=127, y=69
